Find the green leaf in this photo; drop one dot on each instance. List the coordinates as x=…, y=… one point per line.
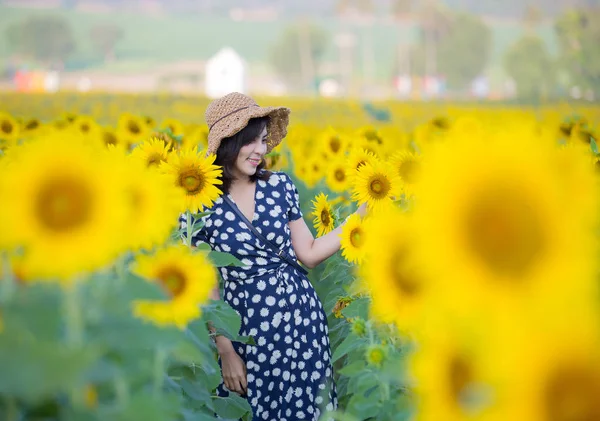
x=187, y=352
x=354, y=368
x=203, y=247
x=224, y=318
x=357, y=308
x=195, y=390
x=350, y=343
x=594, y=146
x=148, y=408
x=220, y=259
x=34, y=370
x=363, y=407
x=233, y=406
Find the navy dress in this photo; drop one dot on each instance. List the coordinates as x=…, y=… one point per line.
x=289, y=370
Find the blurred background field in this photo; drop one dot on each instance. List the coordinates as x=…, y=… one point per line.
x=361, y=48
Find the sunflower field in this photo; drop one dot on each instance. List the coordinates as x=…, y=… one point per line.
x=469, y=291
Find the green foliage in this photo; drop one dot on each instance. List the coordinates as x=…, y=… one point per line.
x=578, y=33
x=528, y=63
x=285, y=55
x=459, y=45
x=105, y=37
x=464, y=52
x=48, y=39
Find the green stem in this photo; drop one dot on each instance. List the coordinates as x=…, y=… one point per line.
x=73, y=316
x=7, y=286
x=160, y=357
x=188, y=226
x=12, y=411
x=121, y=390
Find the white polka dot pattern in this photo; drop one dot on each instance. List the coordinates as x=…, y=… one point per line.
x=289, y=372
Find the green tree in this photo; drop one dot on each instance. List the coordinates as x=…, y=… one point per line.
x=456, y=45
x=463, y=53
x=578, y=33
x=105, y=38
x=48, y=39
x=529, y=64
x=298, y=51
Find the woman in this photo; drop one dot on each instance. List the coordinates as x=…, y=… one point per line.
x=288, y=374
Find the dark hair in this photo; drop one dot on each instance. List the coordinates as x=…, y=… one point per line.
x=230, y=148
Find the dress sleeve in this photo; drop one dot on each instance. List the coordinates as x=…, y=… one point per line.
x=293, y=199
x=199, y=236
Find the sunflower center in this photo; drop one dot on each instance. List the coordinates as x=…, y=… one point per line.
x=379, y=187
x=154, y=160
x=173, y=280
x=192, y=181
x=339, y=174
x=325, y=217
x=109, y=138
x=571, y=394
x=133, y=127
x=136, y=199
x=63, y=204
x=408, y=171
x=504, y=232
x=460, y=375
x=6, y=127
x=85, y=128
x=32, y=124
x=401, y=275
x=335, y=144
x=356, y=238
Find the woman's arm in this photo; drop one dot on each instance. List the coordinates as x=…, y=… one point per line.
x=311, y=251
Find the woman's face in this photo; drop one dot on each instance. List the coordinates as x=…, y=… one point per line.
x=251, y=155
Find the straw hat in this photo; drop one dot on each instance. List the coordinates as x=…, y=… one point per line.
x=228, y=115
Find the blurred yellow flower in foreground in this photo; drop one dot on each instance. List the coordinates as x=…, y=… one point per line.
x=186, y=277
x=493, y=216
x=66, y=207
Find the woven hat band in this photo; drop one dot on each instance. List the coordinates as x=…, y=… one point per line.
x=227, y=115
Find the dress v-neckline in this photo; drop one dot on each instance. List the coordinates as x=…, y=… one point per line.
x=254, y=213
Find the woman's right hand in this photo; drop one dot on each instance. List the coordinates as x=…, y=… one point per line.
x=234, y=372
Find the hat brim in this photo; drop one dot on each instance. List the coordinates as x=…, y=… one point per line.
x=276, y=128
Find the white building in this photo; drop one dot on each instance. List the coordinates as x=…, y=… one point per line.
x=225, y=73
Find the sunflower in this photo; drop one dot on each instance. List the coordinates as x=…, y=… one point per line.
x=407, y=165
x=196, y=137
x=356, y=159
x=31, y=127
x=151, y=152
x=353, y=239
x=337, y=178
x=377, y=184
x=131, y=129
x=109, y=137
x=397, y=286
x=324, y=220
x=187, y=279
x=451, y=379
x=375, y=355
x=197, y=176
x=554, y=374
x=67, y=208
x=493, y=214
x=86, y=126
x=9, y=131
x=173, y=125
x=153, y=201
x=333, y=143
